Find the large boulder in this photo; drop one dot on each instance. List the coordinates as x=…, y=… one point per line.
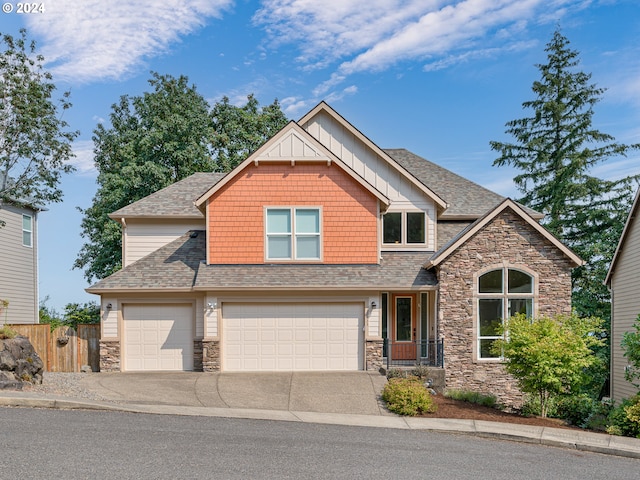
x=19, y=363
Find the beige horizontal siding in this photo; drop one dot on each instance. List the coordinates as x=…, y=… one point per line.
x=625, y=286
x=18, y=269
x=144, y=236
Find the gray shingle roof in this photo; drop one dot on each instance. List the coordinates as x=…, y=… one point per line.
x=176, y=200
x=172, y=267
x=179, y=266
x=464, y=197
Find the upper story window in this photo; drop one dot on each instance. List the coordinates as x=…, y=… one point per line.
x=293, y=233
x=27, y=230
x=404, y=228
x=502, y=293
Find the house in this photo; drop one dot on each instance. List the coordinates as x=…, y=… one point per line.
x=18, y=261
x=322, y=251
x=622, y=280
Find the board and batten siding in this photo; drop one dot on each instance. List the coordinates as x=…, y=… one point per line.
x=141, y=237
x=377, y=171
x=18, y=267
x=625, y=288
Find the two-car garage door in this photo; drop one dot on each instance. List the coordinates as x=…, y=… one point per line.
x=292, y=336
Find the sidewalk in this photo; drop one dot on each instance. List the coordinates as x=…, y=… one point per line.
x=284, y=397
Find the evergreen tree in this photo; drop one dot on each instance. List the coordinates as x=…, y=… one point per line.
x=554, y=150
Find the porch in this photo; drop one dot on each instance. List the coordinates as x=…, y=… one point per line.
x=407, y=354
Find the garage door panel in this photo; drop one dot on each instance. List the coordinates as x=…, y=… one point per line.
x=158, y=337
x=292, y=336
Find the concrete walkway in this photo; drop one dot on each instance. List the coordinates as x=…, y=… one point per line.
x=349, y=398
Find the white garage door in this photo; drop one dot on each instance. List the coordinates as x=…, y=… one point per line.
x=309, y=336
x=158, y=337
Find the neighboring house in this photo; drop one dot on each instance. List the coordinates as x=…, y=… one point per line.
x=323, y=251
x=18, y=261
x=622, y=279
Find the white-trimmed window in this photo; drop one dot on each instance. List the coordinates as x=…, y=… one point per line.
x=404, y=228
x=293, y=233
x=27, y=230
x=502, y=293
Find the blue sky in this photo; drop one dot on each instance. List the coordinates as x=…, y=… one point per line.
x=439, y=77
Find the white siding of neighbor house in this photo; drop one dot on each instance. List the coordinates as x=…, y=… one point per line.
x=625, y=288
x=142, y=236
x=18, y=267
x=403, y=194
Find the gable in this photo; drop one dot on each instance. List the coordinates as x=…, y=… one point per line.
x=508, y=205
x=367, y=159
x=293, y=145
x=631, y=226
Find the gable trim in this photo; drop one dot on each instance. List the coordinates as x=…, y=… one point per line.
x=627, y=227
x=474, y=228
x=260, y=156
x=324, y=107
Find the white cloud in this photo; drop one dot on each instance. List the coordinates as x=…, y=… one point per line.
x=83, y=161
x=388, y=32
x=93, y=39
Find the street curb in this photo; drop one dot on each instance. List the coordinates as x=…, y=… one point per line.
x=553, y=437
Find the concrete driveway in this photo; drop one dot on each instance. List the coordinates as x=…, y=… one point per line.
x=322, y=392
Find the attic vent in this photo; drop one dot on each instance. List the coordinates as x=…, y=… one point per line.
x=193, y=234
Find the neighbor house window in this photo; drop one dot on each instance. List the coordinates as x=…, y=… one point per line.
x=502, y=293
x=27, y=230
x=404, y=228
x=293, y=233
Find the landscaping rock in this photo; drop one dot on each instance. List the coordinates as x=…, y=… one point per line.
x=19, y=363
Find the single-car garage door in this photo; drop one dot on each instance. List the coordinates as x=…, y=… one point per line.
x=158, y=337
x=292, y=336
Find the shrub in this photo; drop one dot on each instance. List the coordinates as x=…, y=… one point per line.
x=396, y=373
x=486, y=400
x=575, y=409
x=621, y=418
x=406, y=396
x=420, y=371
x=531, y=406
x=6, y=332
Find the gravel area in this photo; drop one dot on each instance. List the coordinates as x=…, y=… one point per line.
x=65, y=385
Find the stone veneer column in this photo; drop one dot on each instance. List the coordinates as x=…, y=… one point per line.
x=374, y=355
x=505, y=241
x=197, y=355
x=109, y=355
x=210, y=356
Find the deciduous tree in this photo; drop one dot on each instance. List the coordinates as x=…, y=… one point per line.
x=155, y=140
x=549, y=356
x=35, y=142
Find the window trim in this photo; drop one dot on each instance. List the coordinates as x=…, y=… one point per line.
x=30, y=231
x=505, y=298
x=293, y=235
x=404, y=244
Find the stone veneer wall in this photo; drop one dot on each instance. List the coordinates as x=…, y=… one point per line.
x=374, y=355
x=508, y=241
x=210, y=356
x=110, y=355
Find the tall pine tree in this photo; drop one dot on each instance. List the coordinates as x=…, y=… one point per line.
x=554, y=151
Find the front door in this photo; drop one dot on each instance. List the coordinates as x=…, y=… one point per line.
x=403, y=324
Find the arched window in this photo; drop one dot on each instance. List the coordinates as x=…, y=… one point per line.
x=502, y=293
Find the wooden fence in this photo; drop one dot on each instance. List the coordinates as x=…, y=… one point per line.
x=64, y=349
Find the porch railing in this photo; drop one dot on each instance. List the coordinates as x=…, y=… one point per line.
x=398, y=354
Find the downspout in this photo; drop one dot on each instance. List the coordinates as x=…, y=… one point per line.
x=124, y=241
